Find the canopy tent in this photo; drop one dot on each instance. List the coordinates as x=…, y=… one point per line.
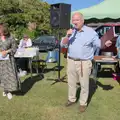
x=106, y=9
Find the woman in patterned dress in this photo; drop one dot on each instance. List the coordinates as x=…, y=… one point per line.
x=8, y=71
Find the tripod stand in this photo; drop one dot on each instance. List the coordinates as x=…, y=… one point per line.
x=59, y=79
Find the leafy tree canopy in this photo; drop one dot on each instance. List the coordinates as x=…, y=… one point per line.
x=19, y=13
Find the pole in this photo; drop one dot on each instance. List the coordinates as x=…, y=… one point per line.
x=59, y=49
x=59, y=79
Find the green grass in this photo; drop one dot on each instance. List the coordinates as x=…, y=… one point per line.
x=43, y=101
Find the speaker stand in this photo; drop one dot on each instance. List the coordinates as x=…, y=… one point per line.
x=59, y=79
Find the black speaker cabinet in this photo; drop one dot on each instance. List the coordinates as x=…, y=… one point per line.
x=60, y=15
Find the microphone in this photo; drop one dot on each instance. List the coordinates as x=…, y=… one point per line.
x=68, y=35
x=71, y=27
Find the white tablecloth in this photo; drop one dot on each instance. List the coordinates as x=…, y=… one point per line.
x=26, y=52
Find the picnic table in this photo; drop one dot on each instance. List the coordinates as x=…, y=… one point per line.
x=103, y=60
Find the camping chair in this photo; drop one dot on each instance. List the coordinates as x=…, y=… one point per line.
x=52, y=57
x=39, y=64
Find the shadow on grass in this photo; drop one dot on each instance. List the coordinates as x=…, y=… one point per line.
x=27, y=84
x=92, y=89
x=61, y=79
x=118, y=81
x=55, y=68
x=93, y=85
x=44, y=69
x=104, y=87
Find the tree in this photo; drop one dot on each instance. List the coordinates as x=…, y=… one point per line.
x=18, y=13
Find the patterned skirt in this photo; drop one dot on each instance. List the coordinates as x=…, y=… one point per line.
x=9, y=79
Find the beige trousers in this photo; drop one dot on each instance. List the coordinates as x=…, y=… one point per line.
x=74, y=75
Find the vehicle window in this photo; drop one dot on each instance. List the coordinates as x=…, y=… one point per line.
x=37, y=39
x=45, y=39
x=106, y=29
x=102, y=30
x=117, y=30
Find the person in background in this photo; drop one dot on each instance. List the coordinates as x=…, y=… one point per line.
x=9, y=79
x=22, y=63
x=118, y=54
x=25, y=42
x=118, y=46
x=81, y=42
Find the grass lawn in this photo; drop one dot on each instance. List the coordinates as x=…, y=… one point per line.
x=43, y=101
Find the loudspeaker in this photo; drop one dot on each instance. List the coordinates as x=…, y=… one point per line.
x=60, y=15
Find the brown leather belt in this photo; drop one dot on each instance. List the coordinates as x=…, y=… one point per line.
x=77, y=59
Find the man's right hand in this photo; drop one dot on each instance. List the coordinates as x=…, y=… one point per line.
x=65, y=40
x=69, y=32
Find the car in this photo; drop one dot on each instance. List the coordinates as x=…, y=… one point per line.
x=46, y=43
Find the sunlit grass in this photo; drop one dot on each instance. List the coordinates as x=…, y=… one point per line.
x=43, y=101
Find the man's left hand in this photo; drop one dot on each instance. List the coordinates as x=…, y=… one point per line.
x=108, y=43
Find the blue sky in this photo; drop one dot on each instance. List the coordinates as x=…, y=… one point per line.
x=76, y=4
